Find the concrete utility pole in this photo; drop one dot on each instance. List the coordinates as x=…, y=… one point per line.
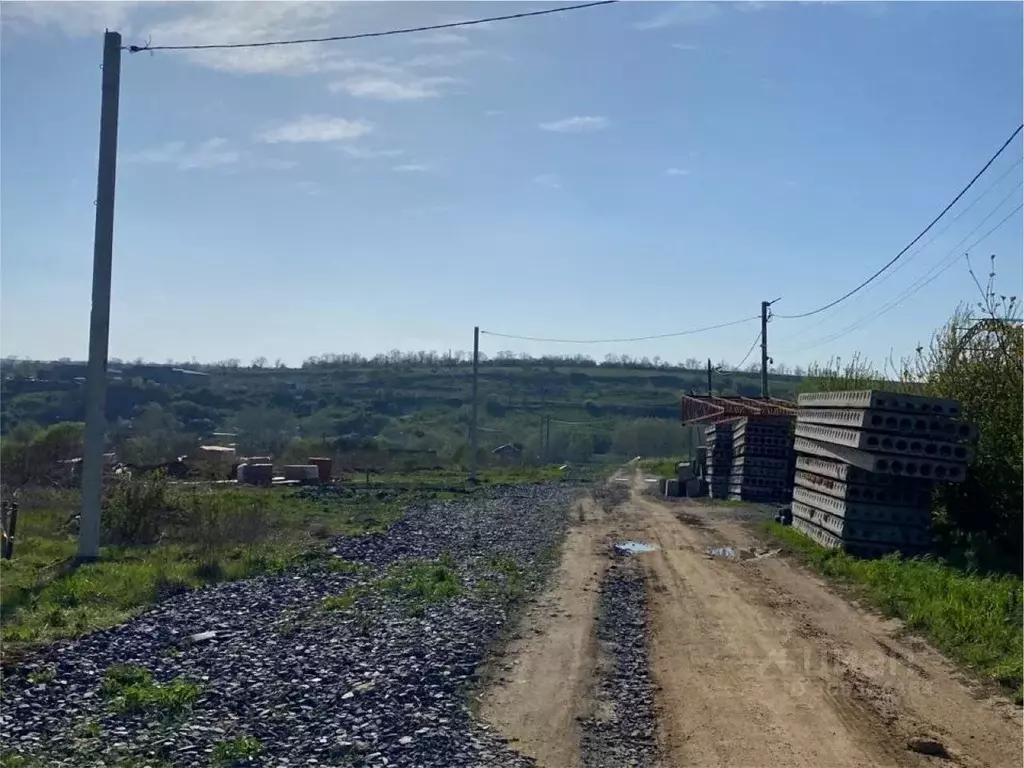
x=765, y=317
x=709, y=376
x=764, y=347
x=99, y=324
x=472, y=423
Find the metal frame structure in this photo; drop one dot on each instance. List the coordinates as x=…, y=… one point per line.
x=715, y=409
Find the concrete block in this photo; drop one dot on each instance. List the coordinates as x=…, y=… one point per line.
x=849, y=530
x=777, y=451
x=760, y=461
x=930, y=469
x=921, y=425
x=859, y=548
x=910, y=494
x=882, y=442
x=910, y=517
x=880, y=400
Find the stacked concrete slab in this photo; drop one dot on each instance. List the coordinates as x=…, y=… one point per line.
x=718, y=441
x=762, y=459
x=866, y=465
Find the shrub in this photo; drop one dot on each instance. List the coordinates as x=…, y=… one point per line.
x=137, y=510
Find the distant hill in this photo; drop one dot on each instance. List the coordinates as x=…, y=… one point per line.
x=414, y=402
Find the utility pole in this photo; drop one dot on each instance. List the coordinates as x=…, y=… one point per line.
x=766, y=307
x=764, y=347
x=472, y=424
x=709, y=377
x=99, y=323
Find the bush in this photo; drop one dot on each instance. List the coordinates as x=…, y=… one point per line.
x=138, y=509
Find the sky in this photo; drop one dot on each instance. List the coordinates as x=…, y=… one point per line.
x=628, y=170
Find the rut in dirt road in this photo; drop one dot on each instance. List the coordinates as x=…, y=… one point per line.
x=622, y=730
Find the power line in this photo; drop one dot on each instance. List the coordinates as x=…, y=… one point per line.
x=749, y=351
x=943, y=266
x=923, y=246
x=923, y=232
x=618, y=341
x=362, y=35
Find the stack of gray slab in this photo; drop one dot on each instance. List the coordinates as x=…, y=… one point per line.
x=866, y=465
x=762, y=459
x=718, y=441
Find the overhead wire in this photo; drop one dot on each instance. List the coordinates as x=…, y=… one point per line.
x=911, y=244
x=923, y=246
x=363, y=35
x=749, y=351
x=933, y=274
x=622, y=340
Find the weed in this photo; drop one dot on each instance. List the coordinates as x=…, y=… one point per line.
x=132, y=689
x=237, y=751
x=45, y=675
x=121, y=676
x=88, y=729
x=340, y=565
x=422, y=582
x=342, y=602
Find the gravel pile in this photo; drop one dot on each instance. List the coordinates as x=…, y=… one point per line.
x=623, y=731
x=284, y=681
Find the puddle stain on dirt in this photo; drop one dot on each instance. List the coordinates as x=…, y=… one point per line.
x=634, y=547
x=734, y=553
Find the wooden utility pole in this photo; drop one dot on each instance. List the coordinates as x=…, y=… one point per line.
x=99, y=323
x=709, y=377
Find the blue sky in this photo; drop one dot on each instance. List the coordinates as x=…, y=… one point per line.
x=635, y=169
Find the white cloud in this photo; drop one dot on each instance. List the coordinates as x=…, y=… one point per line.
x=413, y=168
x=75, y=19
x=364, y=153
x=579, y=124
x=210, y=154
x=689, y=12
x=493, y=112
x=685, y=47
x=388, y=89
x=548, y=180
x=314, y=128
x=677, y=171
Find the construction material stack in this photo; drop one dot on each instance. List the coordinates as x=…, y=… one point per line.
x=718, y=441
x=866, y=465
x=762, y=459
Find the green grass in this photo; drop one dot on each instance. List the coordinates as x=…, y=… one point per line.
x=415, y=582
x=660, y=467
x=238, y=751
x=45, y=598
x=977, y=620
x=422, y=582
x=131, y=689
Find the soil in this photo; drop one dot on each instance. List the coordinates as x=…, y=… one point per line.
x=755, y=660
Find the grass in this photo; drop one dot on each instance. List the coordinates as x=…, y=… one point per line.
x=415, y=582
x=44, y=597
x=660, y=467
x=163, y=539
x=422, y=582
x=131, y=689
x=977, y=620
x=238, y=751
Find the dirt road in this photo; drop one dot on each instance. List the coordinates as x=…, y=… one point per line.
x=755, y=661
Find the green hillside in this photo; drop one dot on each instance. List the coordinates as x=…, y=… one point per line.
x=412, y=404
